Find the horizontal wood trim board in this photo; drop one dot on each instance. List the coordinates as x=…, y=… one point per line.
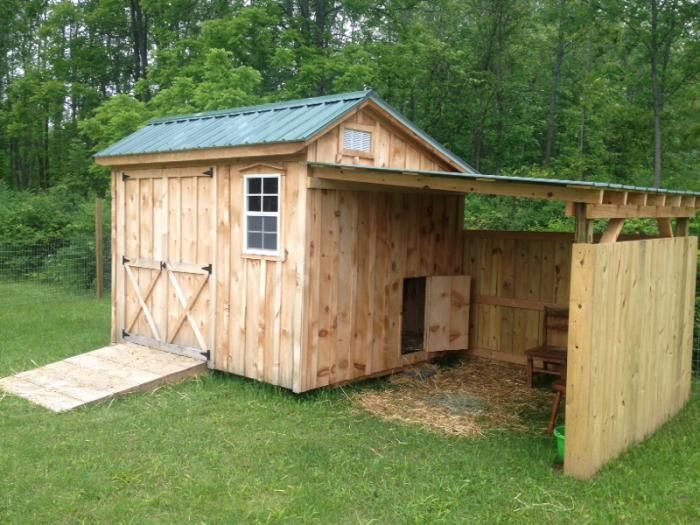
x=171, y=173
x=615, y=211
x=509, y=302
x=178, y=267
x=476, y=235
x=147, y=264
x=314, y=183
x=518, y=235
x=506, y=357
x=263, y=150
x=158, y=345
x=410, y=179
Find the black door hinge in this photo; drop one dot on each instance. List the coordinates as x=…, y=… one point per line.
x=125, y=333
x=125, y=259
x=124, y=176
x=207, y=268
x=209, y=172
x=206, y=354
x=163, y=264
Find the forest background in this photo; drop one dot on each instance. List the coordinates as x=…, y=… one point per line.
x=568, y=89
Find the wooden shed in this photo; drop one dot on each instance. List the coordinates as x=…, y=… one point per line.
x=318, y=241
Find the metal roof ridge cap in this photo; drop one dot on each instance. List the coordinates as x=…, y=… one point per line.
x=266, y=106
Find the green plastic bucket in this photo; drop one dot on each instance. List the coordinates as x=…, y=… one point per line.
x=559, y=437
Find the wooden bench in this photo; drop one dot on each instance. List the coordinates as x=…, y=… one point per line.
x=550, y=357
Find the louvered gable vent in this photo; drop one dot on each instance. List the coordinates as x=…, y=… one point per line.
x=356, y=140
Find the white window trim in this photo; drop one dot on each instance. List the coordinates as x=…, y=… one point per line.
x=278, y=214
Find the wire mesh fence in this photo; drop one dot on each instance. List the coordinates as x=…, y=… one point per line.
x=65, y=270
x=53, y=271
x=696, y=335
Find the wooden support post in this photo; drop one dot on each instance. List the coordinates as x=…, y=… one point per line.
x=665, y=227
x=682, y=227
x=99, y=250
x=612, y=232
x=584, y=226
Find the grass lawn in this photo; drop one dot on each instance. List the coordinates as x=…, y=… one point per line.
x=227, y=450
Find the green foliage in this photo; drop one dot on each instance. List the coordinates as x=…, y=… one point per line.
x=221, y=85
x=48, y=236
x=514, y=87
x=113, y=120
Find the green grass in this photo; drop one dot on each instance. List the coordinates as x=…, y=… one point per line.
x=227, y=450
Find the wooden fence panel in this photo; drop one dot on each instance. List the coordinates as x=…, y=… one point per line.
x=516, y=274
x=630, y=345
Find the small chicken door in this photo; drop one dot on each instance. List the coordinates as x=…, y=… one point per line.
x=447, y=299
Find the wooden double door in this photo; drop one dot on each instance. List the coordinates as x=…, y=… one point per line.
x=165, y=237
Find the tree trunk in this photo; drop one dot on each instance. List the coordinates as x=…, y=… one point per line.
x=554, y=94
x=139, y=32
x=656, y=92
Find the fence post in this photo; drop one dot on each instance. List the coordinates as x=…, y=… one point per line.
x=99, y=250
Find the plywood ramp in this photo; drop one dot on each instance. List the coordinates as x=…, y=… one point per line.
x=100, y=375
x=630, y=345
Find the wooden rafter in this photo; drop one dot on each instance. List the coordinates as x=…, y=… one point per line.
x=612, y=232
x=455, y=184
x=614, y=211
x=600, y=203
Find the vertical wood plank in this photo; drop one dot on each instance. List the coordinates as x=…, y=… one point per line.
x=631, y=316
x=223, y=268
x=116, y=234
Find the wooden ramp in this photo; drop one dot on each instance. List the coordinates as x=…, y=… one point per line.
x=99, y=375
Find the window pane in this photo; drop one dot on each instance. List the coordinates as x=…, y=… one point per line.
x=255, y=224
x=254, y=185
x=269, y=224
x=270, y=241
x=255, y=240
x=253, y=203
x=269, y=203
x=270, y=186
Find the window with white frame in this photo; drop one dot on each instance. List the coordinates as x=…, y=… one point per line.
x=262, y=214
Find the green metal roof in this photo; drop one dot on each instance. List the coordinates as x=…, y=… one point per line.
x=279, y=122
x=505, y=178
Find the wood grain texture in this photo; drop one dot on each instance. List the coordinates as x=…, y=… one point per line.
x=630, y=345
x=353, y=314
x=447, y=312
x=100, y=375
x=516, y=274
x=165, y=229
x=392, y=146
x=261, y=297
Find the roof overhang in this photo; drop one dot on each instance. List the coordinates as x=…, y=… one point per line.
x=380, y=107
x=603, y=200
x=204, y=154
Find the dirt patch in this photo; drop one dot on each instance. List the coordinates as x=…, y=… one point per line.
x=468, y=398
